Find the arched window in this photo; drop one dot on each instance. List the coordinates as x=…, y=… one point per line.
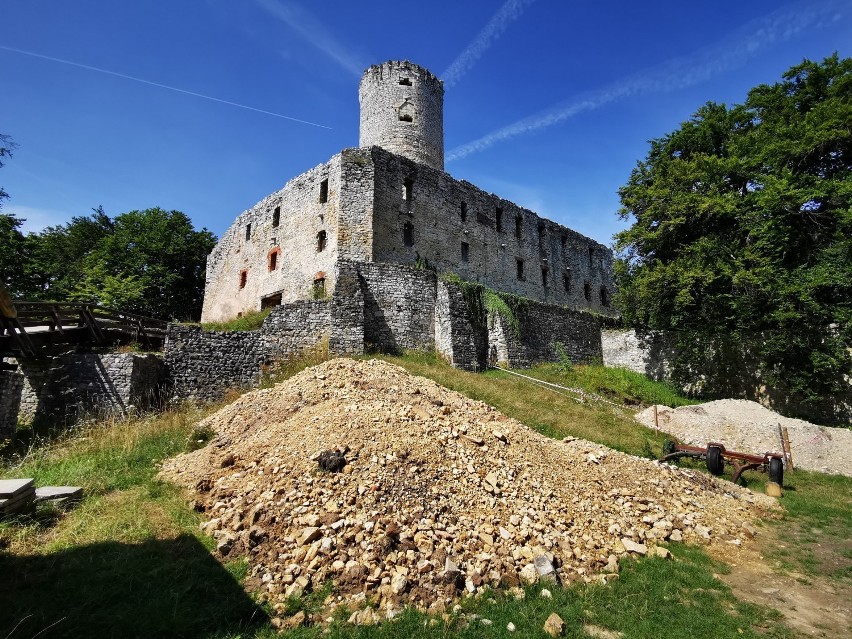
x=587, y=291
x=322, y=239
x=243, y=278
x=272, y=259
x=604, y=296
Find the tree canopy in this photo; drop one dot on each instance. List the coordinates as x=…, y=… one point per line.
x=148, y=262
x=742, y=230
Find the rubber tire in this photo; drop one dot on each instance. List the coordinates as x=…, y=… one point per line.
x=776, y=471
x=715, y=462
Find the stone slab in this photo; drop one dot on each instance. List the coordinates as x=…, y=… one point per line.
x=68, y=493
x=11, y=487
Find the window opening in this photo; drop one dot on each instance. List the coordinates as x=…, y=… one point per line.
x=544, y=277
x=248, y=231
x=270, y=301
x=243, y=278
x=464, y=211
x=587, y=291
x=604, y=296
x=519, y=224
x=405, y=117
x=319, y=288
x=324, y=191
x=408, y=234
x=519, y=264
x=591, y=257
x=541, y=236
x=566, y=281
x=272, y=259
x=276, y=216
x=564, y=243
x=465, y=251
x=321, y=241
x=499, y=219
x=405, y=82
x=407, y=189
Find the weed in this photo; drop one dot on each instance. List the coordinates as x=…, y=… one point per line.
x=248, y=321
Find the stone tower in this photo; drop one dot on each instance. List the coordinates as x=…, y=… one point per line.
x=402, y=110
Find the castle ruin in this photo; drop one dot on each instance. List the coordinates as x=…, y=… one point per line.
x=389, y=201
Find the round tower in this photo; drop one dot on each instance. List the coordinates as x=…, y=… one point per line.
x=402, y=110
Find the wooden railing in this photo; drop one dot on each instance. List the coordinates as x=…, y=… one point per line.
x=65, y=321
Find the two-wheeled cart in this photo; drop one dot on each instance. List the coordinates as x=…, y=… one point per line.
x=716, y=456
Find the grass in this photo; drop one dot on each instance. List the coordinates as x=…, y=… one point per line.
x=249, y=321
x=130, y=560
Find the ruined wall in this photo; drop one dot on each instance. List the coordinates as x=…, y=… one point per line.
x=428, y=221
x=648, y=352
x=11, y=385
x=399, y=307
x=68, y=386
x=240, y=269
x=457, y=338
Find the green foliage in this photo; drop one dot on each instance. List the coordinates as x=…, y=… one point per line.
x=249, y=321
x=743, y=232
x=148, y=262
x=484, y=304
x=6, y=148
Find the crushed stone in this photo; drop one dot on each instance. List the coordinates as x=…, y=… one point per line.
x=748, y=427
x=440, y=496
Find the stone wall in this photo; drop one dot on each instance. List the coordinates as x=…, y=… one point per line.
x=648, y=352
x=457, y=339
x=241, y=270
x=431, y=224
x=67, y=386
x=11, y=385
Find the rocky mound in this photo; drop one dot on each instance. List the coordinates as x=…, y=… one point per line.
x=434, y=494
x=747, y=427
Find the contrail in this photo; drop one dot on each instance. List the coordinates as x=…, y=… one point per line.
x=779, y=26
x=511, y=10
x=162, y=86
x=313, y=31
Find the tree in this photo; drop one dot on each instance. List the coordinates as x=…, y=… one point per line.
x=743, y=232
x=150, y=262
x=6, y=148
x=12, y=242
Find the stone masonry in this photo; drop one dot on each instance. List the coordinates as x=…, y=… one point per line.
x=390, y=202
x=11, y=385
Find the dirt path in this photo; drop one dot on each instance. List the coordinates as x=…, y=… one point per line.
x=812, y=605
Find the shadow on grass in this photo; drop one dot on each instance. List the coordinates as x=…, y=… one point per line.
x=160, y=588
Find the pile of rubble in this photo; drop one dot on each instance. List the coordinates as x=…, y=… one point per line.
x=407, y=493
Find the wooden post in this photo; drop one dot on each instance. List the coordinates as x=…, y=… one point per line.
x=787, y=450
x=656, y=422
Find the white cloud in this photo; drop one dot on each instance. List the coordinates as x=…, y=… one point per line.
x=314, y=32
x=679, y=73
x=509, y=12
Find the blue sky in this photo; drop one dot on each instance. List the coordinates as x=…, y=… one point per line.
x=207, y=106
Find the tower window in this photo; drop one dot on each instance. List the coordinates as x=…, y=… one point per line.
x=499, y=215
x=519, y=265
x=405, y=82
x=591, y=257
x=465, y=251
x=464, y=211
x=408, y=234
x=541, y=236
x=604, y=296
x=407, y=190
x=272, y=259
x=587, y=291
x=276, y=216
x=544, y=274
x=243, y=278
x=564, y=243
x=248, y=231
x=566, y=280
x=519, y=226
x=324, y=191
x=322, y=238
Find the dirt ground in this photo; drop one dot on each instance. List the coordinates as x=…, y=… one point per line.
x=813, y=605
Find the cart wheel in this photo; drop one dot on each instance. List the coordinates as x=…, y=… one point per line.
x=715, y=463
x=776, y=471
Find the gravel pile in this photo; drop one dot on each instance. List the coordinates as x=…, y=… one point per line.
x=748, y=427
x=439, y=494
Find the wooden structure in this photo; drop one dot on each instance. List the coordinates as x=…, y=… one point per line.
x=27, y=329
